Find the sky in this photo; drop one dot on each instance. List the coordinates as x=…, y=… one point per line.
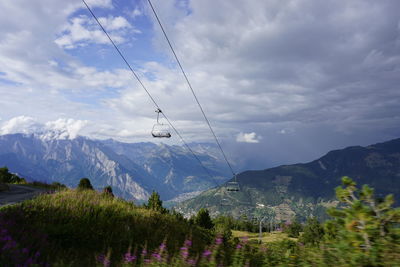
x=281, y=81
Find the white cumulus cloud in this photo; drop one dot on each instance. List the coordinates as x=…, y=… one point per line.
x=20, y=124
x=248, y=138
x=82, y=30
x=58, y=129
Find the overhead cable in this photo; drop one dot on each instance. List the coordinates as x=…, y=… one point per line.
x=148, y=93
x=191, y=88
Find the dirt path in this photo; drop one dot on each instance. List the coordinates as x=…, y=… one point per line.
x=18, y=193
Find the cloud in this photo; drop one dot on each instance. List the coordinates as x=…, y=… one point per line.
x=82, y=31
x=136, y=12
x=100, y=3
x=20, y=124
x=248, y=138
x=330, y=69
x=58, y=129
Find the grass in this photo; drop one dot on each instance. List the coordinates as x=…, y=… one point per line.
x=79, y=225
x=275, y=236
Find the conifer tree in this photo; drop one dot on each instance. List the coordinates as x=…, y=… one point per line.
x=155, y=203
x=203, y=219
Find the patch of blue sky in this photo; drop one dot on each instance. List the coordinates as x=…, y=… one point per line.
x=137, y=48
x=94, y=98
x=5, y=81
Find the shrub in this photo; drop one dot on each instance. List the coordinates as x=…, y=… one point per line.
x=313, y=232
x=84, y=184
x=108, y=191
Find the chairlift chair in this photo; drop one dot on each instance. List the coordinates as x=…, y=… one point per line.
x=160, y=130
x=232, y=187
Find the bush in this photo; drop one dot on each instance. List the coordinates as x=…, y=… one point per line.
x=293, y=229
x=84, y=184
x=313, y=232
x=108, y=191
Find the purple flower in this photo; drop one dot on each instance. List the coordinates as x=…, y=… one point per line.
x=191, y=262
x=184, y=252
x=206, y=253
x=128, y=257
x=239, y=246
x=188, y=243
x=101, y=258
x=104, y=260
x=156, y=255
x=218, y=241
x=144, y=252
x=25, y=250
x=163, y=246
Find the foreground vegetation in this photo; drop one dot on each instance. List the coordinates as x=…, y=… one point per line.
x=83, y=227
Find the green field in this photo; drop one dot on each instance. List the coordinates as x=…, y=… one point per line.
x=266, y=237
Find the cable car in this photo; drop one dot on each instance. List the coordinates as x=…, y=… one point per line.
x=160, y=130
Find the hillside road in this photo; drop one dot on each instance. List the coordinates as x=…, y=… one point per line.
x=18, y=193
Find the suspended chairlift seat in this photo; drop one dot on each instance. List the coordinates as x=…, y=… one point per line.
x=232, y=187
x=160, y=130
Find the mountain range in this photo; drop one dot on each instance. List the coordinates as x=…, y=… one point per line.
x=133, y=170
x=304, y=189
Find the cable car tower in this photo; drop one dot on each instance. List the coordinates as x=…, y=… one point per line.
x=160, y=130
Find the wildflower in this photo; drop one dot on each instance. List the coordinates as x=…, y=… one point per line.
x=104, y=260
x=188, y=243
x=218, y=241
x=128, y=257
x=25, y=250
x=239, y=246
x=163, y=246
x=184, y=252
x=156, y=255
x=191, y=262
x=206, y=253
x=144, y=252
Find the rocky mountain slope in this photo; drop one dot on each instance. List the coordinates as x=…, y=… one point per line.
x=305, y=189
x=133, y=170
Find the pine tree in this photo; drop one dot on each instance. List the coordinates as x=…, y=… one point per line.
x=155, y=203
x=203, y=219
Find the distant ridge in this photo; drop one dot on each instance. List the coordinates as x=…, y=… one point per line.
x=305, y=189
x=132, y=169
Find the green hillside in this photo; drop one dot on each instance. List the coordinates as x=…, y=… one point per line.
x=305, y=189
x=84, y=225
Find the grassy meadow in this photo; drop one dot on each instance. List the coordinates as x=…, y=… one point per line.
x=88, y=228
